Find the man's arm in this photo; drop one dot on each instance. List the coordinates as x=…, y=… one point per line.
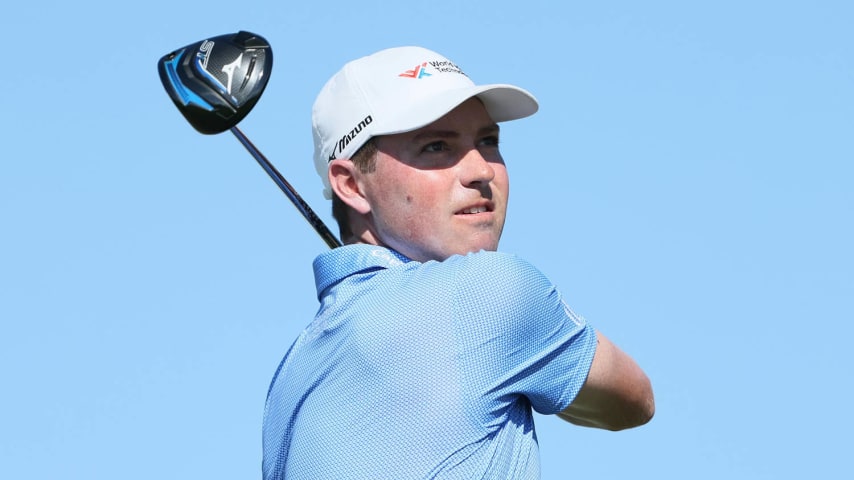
x=617, y=394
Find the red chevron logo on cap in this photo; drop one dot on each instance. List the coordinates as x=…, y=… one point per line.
x=417, y=72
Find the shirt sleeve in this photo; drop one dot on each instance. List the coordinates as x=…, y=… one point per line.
x=517, y=336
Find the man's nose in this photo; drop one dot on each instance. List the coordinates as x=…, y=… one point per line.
x=475, y=169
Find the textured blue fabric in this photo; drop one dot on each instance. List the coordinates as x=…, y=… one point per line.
x=423, y=370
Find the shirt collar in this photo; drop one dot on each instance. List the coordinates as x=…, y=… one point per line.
x=339, y=263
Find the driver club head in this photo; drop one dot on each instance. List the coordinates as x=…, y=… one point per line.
x=216, y=82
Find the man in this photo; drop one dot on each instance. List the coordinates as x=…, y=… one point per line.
x=430, y=349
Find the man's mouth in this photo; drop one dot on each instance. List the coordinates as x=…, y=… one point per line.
x=472, y=210
x=478, y=207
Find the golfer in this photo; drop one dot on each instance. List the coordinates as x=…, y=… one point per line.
x=430, y=350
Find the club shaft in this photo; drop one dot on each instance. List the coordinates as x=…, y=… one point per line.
x=288, y=190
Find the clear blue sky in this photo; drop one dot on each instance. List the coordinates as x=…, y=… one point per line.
x=687, y=184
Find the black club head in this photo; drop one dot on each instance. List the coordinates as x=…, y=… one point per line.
x=217, y=81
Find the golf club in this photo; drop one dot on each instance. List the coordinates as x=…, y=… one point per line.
x=215, y=83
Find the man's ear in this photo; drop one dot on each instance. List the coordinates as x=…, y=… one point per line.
x=344, y=179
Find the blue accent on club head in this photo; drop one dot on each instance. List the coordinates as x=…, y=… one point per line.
x=187, y=96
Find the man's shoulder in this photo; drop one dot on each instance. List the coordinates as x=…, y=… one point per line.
x=506, y=296
x=500, y=263
x=497, y=273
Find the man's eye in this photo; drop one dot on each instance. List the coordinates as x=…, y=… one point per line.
x=490, y=141
x=434, y=147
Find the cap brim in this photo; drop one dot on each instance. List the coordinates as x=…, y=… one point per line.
x=503, y=103
x=507, y=102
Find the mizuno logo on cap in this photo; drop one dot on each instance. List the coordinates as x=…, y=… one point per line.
x=341, y=144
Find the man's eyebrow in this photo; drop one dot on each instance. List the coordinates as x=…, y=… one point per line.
x=492, y=129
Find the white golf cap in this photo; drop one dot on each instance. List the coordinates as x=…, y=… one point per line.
x=394, y=91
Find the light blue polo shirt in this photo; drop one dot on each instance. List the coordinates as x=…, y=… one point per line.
x=423, y=370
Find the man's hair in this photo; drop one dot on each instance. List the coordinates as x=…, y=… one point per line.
x=365, y=159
